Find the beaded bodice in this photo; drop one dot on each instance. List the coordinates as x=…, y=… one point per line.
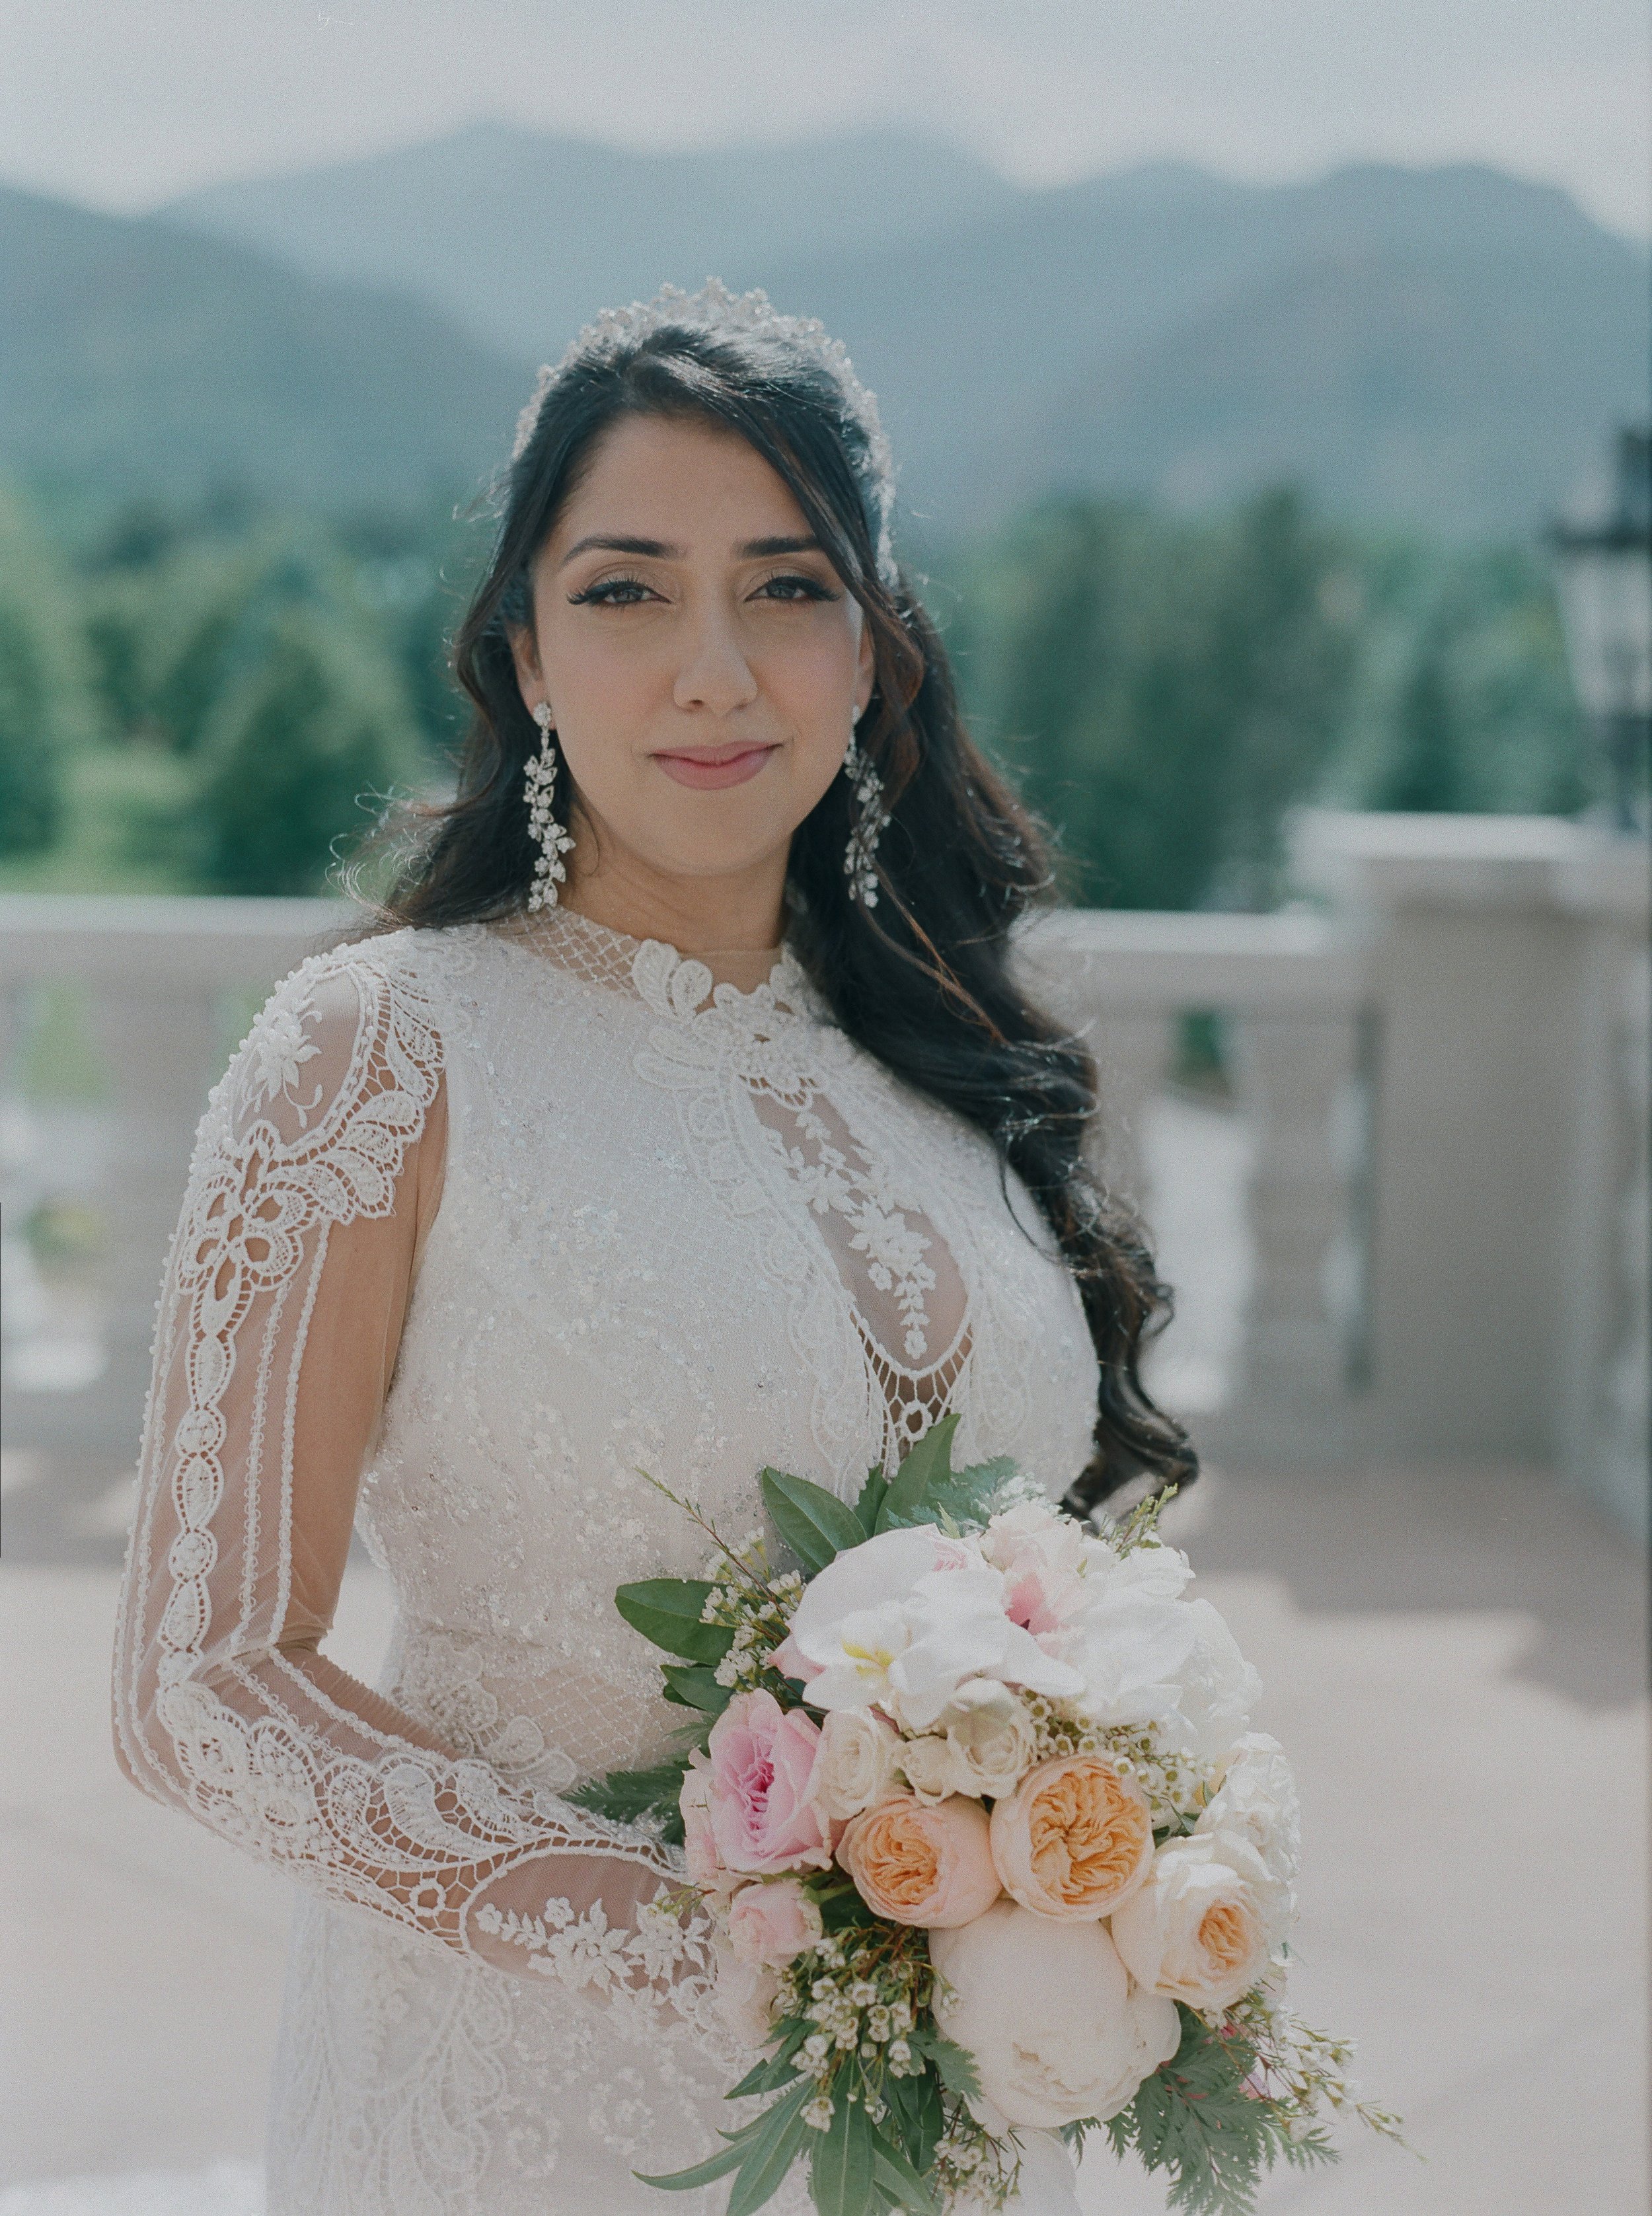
x=687, y=1231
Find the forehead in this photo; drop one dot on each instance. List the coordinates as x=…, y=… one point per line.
x=678, y=479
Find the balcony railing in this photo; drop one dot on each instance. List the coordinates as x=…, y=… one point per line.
x=1439, y=1075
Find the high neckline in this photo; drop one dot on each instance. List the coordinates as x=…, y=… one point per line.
x=602, y=955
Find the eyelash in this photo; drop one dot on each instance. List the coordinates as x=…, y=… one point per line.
x=604, y=593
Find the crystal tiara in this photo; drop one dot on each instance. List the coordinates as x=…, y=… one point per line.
x=716, y=311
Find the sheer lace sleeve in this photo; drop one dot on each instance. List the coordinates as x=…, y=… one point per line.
x=316, y=1174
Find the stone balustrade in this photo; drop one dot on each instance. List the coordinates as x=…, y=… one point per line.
x=1441, y=1066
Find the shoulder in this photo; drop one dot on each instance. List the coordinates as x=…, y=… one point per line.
x=353, y=1032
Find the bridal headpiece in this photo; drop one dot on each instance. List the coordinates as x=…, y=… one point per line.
x=719, y=313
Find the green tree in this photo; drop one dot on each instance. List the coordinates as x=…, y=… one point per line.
x=299, y=755
x=1426, y=772
x=1163, y=689
x=1466, y=700
x=45, y=706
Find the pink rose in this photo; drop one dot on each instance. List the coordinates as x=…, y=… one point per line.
x=770, y=1925
x=920, y=1863
x=763, y=1767
x=698, y=1842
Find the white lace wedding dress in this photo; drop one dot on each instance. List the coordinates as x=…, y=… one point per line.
x=489, y=1220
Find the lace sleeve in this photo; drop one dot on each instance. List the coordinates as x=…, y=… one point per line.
x=316, y=1170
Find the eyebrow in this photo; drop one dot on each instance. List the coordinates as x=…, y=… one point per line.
x=655, y=547
x=754, y=549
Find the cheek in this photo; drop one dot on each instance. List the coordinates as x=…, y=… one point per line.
x=810, y=680
x=606, y=687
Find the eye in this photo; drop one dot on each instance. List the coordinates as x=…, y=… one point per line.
x=793, y=586
x=613, y=593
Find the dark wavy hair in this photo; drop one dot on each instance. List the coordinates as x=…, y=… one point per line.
x=925, y=981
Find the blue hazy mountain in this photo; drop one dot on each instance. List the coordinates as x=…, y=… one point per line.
x=1448, y=348
x=523, y=237
x=139, y=359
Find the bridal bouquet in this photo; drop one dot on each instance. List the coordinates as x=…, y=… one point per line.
x=987, y=1848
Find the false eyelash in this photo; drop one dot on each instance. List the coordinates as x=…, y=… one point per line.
x=594, y=595
x=812, y=588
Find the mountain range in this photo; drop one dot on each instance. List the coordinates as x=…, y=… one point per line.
x=1447, y=349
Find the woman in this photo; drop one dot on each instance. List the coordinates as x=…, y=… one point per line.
x=687, y=1118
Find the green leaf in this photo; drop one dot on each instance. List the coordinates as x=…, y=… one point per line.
x=954, y=2063
x=1193, y=2119
x=927, y=1489
x=891, y=2169
x=667, y=1611
x=870, y=1500
x=917, y=2116
x=771, y=2152
x=775, y=2072
x=695, y=1686
x=703, y=2173
x=815, y=1524
x=839, y=2176
x=929, y=1463
x=623, y=1795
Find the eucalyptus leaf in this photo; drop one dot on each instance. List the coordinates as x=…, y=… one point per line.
x=703, y=2173
x=891, y=2169
x=775, y=2072
x=771, y=2150
x=839, y=2176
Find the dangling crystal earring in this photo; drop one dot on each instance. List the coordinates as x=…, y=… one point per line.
x=553, y=839
x=871, y=821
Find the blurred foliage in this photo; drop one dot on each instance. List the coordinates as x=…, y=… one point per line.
x=46, y=710
x=223, y=698
x=1164, y=689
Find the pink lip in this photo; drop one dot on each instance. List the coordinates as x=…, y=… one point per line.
x=709, y=768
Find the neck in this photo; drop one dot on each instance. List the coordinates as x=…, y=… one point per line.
x=732, y=923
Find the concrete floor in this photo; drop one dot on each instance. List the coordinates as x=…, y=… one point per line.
x=1453, y=1659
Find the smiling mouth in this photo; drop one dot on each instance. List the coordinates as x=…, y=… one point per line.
x=709, y=768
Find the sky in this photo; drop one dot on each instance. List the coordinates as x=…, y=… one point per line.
x=124, y=103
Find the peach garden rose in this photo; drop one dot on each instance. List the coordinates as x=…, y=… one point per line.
x=1075, y=1838
x=921, y=1865
x=1202, y=1926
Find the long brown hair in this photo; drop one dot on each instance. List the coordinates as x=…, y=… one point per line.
x=924, y=981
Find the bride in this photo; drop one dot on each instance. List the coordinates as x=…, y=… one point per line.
x=682, y=1114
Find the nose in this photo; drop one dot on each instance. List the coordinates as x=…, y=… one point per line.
x=715, y=674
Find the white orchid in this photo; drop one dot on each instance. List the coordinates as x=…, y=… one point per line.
x=902, y=1621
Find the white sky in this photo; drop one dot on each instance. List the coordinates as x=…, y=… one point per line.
x=122, y=103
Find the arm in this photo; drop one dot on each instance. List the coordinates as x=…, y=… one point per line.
x=316, y=1174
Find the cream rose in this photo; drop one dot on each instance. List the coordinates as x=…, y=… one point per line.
x=1257, y=1799
x=1075, y=1838
x=983, y=1742
x=743, y=1995
x=1202, y=1926
x=929, y=1866
x=1049, y=2013
x=859, y=1753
